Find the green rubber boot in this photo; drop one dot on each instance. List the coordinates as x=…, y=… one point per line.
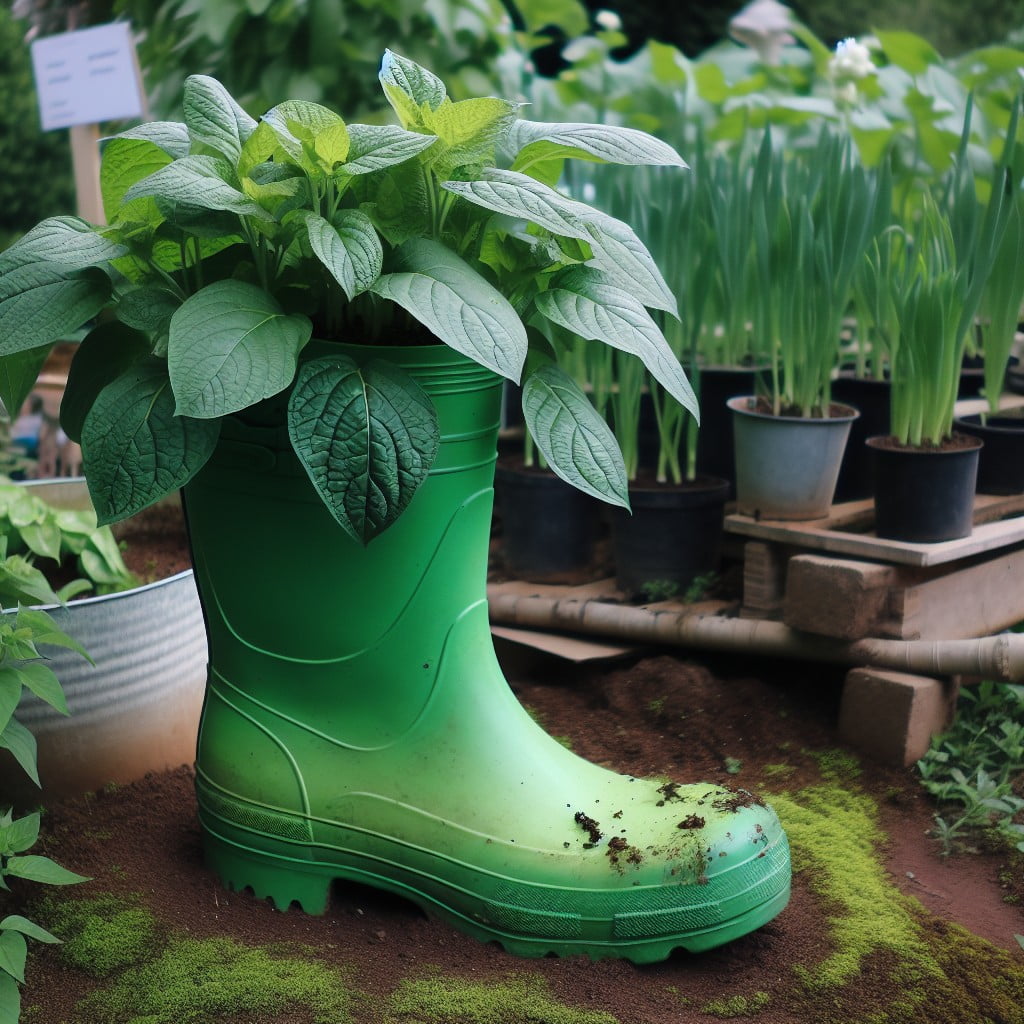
x=357, y=725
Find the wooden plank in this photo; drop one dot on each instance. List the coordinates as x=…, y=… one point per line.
x=820, y=535
x=980, y=600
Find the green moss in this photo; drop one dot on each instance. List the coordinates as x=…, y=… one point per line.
x=979, y=982
x=196, y=981
x=834, y=835
x=737, y=1006
x=778, y=771
x=100, y=935
x=448, y=1000
x=836, y=765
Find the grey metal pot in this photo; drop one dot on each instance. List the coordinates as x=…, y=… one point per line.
x=137, y=709
x=787, y=466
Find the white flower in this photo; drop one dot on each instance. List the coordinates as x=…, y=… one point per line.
x=608, y=20
x=847, y=93
x=764, y=26
x=852, y=60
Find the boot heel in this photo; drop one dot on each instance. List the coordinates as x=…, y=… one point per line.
x=281, y=879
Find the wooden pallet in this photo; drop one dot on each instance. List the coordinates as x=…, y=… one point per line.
x=957, y=589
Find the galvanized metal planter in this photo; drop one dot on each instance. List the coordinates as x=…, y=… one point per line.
x=137, y=708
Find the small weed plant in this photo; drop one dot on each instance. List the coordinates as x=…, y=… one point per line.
x=975, y=770
x=23, y=667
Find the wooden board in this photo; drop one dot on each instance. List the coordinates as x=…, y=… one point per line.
x=999, y=523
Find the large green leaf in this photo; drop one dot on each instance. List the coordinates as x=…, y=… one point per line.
x=10, y=693
x=309, y=132
x=170, y=136
x=519, y=195
x=456, y=304
x=21, y=581
x=125, y=162
x=148, y=309
x=18, y=375
x=366, y=435
x=13, y=953
x=42, y=302
x=17, y=923
x=40, y=679
x=41, y=869
x=105, y=353
x=575, y=440
x=374, y=147
x=603, y=142
x=22, y=745
x=581, y=302
x=10, y=1000
x=44, y=630
x=627, y=263
x=214, y=118
x=202, y=182
x=409, y=87
x=135, y=449
x=349, y=248
x=20, y=835
x=68, y=242
x=231, y=345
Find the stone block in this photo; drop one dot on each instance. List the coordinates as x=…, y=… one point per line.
x=892, y=716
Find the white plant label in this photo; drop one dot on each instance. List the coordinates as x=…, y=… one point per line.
x=86, y=76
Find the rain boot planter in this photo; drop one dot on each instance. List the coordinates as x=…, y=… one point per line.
x=357, y=725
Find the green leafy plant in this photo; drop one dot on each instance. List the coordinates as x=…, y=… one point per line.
x=60, y=537
x=23, y=667
x=233, y=241
x=970, y=770
x=814, y=217
x=925, y=292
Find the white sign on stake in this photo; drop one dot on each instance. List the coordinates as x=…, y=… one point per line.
x=86, y=76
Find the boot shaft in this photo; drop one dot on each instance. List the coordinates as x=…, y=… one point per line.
x=296, y=609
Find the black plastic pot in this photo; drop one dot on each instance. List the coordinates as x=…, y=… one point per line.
x=924, y=495
x=548, y=527
x=1001, y=462
x=673, y=536
x=715, y=439
x=871, y=398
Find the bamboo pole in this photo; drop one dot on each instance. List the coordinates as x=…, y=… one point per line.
x=996, y=657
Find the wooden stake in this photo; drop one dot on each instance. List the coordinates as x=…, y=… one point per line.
x=85, y=157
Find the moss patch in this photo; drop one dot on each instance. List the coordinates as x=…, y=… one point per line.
x=196, y=981
x=101, y=935
x=834, y=836
x=737, y=1006
x=448, y=1000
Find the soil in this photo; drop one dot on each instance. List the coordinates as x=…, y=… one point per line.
x=652, y=713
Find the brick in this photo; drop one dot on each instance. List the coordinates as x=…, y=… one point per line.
x=892, y=716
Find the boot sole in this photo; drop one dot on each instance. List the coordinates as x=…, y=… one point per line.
x=294, y=878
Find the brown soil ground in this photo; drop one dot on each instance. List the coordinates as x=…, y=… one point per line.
x=649, y=713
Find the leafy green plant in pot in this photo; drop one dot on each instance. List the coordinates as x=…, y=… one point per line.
x=1001, y=460
x=549, y=530
x=356, y=724
x=814, y=216
x=930, y=279
x=673, y=533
